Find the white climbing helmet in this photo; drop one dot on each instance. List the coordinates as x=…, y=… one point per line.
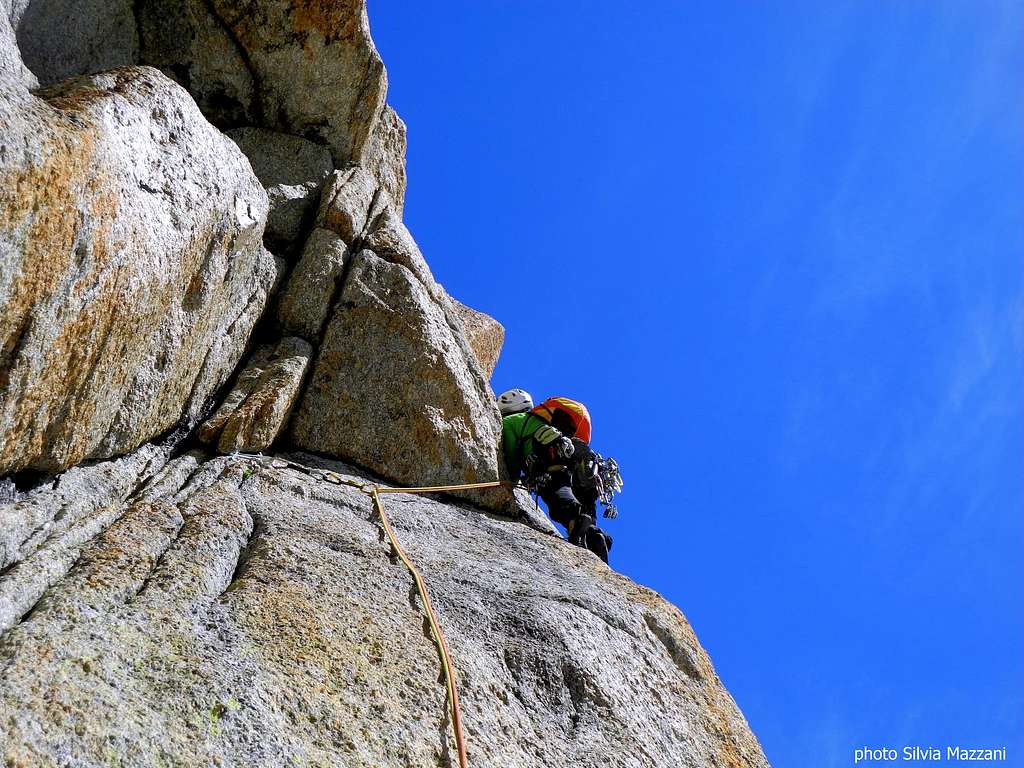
x=514, y=401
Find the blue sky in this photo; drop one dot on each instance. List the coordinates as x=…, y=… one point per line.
x=777, y=249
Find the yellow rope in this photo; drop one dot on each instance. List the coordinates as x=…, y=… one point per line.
x=448, y=666
x=435, y=626
x=443, y=488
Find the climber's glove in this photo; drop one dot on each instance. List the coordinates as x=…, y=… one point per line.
x=546, y=435
x=563, y=448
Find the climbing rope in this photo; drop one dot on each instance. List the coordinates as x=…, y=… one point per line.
x=435, y=626
x=374, y=492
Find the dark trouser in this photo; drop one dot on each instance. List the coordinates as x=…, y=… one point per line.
x=566, y=510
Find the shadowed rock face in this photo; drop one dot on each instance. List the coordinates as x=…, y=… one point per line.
x=131, y=265
x=292, y=170
x=306, y=67
x=94, y=35
x=245, y=615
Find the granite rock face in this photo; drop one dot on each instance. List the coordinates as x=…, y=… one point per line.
x=348, y=203
x=26, y=524
x=307, y=68
x=258, y=406
x=93, y=35
x=313, y=285
x=393, y=388
x=292, y=170
x=390, y=239
x=238, y=614
x=131, y=265
x=163, y=606
x=396, y=386
x=13, y=72
x=304, y=67
x=189, y=42
x=484, y=334
x=385, y=156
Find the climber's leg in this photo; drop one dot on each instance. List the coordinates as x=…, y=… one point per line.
x=562, y=504
x=598, y=542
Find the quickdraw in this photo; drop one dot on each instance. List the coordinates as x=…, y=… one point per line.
x=611, y=483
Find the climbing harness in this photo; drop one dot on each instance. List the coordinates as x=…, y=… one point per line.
x=375, y=492
x=592, y=471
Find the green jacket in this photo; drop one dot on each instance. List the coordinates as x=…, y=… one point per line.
x=517, y=441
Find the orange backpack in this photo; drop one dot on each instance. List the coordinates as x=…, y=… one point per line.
x=569, y=417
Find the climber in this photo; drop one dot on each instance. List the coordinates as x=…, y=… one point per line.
x=549, y=445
